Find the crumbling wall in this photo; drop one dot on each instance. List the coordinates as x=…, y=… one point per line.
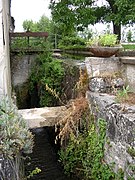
x=120, y=133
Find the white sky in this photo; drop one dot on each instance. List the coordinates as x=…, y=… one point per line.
x=28, y=9
x=34, y=9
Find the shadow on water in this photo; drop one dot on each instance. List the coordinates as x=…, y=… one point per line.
x=45, y=156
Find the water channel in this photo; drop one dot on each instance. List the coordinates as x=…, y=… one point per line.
x=45, y=156
x=45, y=151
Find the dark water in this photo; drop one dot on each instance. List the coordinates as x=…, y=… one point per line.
x=44, y=156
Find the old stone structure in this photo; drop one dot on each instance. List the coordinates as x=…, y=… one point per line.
x=104, y=76
x=5, y=82
x=120, y=117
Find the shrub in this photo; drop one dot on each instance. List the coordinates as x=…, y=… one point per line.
x=129, y=36
x=84, y=155
x=103, y=40
x=15, y=139
x=71, y=42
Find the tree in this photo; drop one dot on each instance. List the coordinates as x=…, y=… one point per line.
x=28, y=25
x=79, y=14
x=45, y=25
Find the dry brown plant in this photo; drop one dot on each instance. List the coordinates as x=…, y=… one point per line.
x=72, y=119
x=82, y=84
x=54, y=93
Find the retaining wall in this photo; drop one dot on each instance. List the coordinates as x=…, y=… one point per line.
x=120, y=117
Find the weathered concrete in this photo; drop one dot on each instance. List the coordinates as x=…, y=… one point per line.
x=127, y=60
x=107, y=67
x=103, y=74
x=40, y=117
x=99, y=66
x=21, y=68
x=5, y=80
x=105, y=84
x=130, y=53
x=120, y=133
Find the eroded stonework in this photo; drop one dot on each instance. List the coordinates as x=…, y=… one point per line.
x=105, y=84
x=120, y=133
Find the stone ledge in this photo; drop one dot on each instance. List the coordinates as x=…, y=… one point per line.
x=40, y=117
x=127, y=60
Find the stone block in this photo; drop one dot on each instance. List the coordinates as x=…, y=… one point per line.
x=97, y=66
x=41, y=117
x=130, y=76
x=128, y=71
x=105, y=85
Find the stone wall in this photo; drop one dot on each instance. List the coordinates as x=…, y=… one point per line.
x=120, y=117
x=101, y=66
x=120, y=133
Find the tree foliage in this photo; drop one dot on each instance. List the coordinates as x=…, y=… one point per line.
x=28, y=25
x=55, y=30
x=126, y=9
x=79, y=14
x=44, y=24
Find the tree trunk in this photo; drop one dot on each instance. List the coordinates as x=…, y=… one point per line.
x=117, y=30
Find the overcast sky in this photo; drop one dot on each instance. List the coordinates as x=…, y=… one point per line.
x=28, y=9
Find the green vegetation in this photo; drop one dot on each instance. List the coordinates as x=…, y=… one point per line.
x=84, y=154
x=34, y=172
x=19, y=43
x=77, y=15
x=15, y=138
x=56, y=37
x=131, y=151
x=128, y=46
x=109, y=40
x=47, y=76
x=122, y=95
x=43, y=25
x=55, y=30
x=132, y=168
x=129, y=36
x=68, y=42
